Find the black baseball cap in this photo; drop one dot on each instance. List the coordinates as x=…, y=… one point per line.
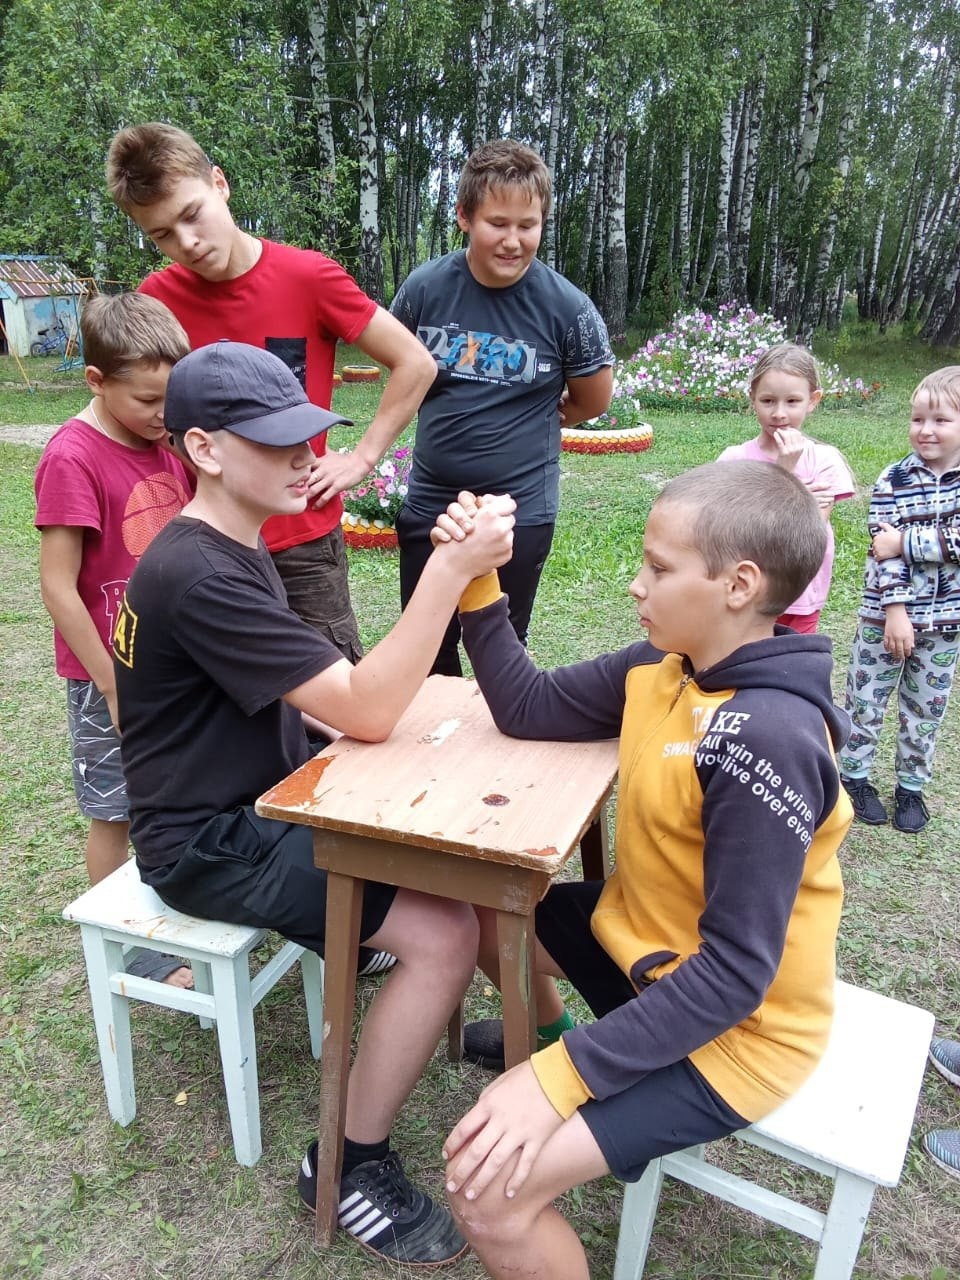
x=231, y=386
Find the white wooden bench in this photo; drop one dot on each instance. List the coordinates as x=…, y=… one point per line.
x=850, y=1121
x=121, y=912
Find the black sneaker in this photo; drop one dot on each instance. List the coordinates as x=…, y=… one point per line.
x=483, y=1044
x=911, y=813
x=387, y=1214
x=866, y=802
x=370, y=962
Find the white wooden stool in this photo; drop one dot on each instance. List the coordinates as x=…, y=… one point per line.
x=851, y=1121
x=120, y=912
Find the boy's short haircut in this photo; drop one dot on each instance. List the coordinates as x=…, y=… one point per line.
x=753, y=511
x=126, y=329
x=146, y=161
x=503, y=163
x=942, y=384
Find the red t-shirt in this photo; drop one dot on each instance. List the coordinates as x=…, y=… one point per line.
x=121, y=498
x=294, y=302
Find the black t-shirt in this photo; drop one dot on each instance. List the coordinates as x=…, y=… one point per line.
x=204, y=649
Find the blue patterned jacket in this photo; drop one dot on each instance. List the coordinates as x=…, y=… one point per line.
x=926, y=576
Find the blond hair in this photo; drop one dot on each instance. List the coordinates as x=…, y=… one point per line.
x=503, y=163
x=787, y=357
x=752, y=511
x=122, y=331
x=942, y=384
x=146, y=161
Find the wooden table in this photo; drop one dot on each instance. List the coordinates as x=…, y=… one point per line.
x=449, y=806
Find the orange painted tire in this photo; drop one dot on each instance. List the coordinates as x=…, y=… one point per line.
x=360, y=373
x=337, y=380
x=365, y=537
x=576, y=440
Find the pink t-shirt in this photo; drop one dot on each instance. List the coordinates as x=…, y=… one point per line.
x=121, y=497
x=825, y=464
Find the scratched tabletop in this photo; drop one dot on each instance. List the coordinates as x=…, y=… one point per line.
x=446, y=778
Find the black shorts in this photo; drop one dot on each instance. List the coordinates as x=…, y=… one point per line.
x=668, y=1109
x=244, y=869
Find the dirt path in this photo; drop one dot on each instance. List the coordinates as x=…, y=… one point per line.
x=35, y=434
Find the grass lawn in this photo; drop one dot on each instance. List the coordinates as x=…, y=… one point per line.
x=86, y=1200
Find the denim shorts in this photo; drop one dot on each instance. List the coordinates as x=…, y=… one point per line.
x=668, y=1109
x=95, y=751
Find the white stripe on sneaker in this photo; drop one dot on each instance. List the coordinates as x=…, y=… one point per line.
x=361, y=1218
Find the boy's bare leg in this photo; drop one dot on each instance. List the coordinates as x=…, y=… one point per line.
x=548, y=1001
x=526, y=1238
x=435, y=942
x=107, y=849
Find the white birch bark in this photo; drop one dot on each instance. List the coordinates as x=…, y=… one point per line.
x=317, y=16
x=538, y=71
x=615, y=283
x=719, y=260
x=371, y=261
x=484, y=53
x=741, y=249
x=553, y=147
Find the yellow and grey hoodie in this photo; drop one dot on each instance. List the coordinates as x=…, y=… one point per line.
x=724, y=905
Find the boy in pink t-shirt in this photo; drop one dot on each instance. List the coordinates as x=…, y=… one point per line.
x=105, y=485
x=784, y=391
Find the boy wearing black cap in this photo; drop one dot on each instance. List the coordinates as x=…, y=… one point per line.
x=214, y=676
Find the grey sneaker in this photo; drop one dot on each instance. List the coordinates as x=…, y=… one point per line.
x=945, y=1056
x=865, y=800
x=943, y=1147
x=911, y=813
x=381, y=1209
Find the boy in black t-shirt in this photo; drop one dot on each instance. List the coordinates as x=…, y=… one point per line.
x=215, y=676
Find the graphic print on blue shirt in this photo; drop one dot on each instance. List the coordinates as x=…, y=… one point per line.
x=486, y=357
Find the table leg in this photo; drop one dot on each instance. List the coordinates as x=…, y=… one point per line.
x=455, y=1035
x=595, y=848
x=515, y=943
x=344, y=901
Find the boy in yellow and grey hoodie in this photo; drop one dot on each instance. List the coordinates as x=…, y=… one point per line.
x=708, y=955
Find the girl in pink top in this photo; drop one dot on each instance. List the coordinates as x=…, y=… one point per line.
x=784, y=390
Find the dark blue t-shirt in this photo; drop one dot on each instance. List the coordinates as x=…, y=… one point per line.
x=490, y=422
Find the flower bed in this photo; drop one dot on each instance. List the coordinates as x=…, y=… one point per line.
x=705, y=360
x=371, y=507
x=620, y=430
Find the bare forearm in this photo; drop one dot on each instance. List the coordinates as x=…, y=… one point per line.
x=73, y=621
x=386, y=679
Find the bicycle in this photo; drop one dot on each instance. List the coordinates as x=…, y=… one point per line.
x=52, y=341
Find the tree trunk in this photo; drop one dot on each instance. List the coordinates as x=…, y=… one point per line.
x=553, y=146
x=484, y=52
x=816, y=74
x=371, y=262
x=326, y=146
x=646, y=229
x=615, y=281
x=719, y=260
x=741, y=253
x=593, y=189
x=538, y=72
x=683, y=220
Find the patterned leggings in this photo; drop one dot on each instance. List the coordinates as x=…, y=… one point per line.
x=923, y=684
